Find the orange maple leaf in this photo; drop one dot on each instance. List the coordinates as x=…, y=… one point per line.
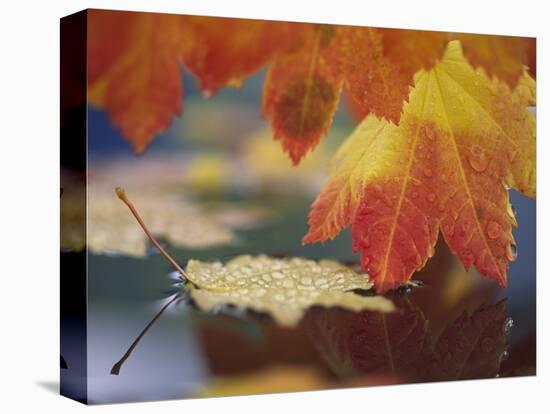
x=136, y=61
x=135, y=74
x=462, y=139
x=301, y=92
x=223, y=52
x=379, y=66
x=302, y=89
x=501, y=56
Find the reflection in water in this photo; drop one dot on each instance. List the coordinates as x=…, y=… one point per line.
x=453, y=326
x=448, y=327
x=365, y=347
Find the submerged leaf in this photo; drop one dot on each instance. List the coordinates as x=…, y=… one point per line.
x=284, y=288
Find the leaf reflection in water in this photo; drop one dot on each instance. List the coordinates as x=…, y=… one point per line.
x=429, y=338
x=432, y=336
x=364, y=348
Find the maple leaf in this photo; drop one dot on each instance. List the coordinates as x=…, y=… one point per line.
x=136, y=61
x=462, y=139
x=302, y=89
x=137, y=77
x=301, y=93
x=224, y=51
x=379, y=66
x=285, y=288
x=500, y=56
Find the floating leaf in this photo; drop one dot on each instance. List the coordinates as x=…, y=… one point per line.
x=284, y=288
x=461, y=139
x=156, y=184
x=180, y=222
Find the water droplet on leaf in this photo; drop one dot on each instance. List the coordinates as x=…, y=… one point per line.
x=507, y=325
x=512, y=251
x=478, y=159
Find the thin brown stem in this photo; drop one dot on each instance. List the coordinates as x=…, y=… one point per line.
x=122, y=195
x=116, y=368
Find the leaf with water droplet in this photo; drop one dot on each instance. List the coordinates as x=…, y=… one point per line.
x=478, y=158
x=493, y=229
x=500, y=56
x=283, y=288
x=470, y=123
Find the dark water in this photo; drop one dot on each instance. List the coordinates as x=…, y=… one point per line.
x=445, y=329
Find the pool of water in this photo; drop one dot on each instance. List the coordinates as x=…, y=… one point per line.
x=453, y=325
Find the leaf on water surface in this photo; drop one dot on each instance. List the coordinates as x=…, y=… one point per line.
x=171, y=217
x=462, y=139
x=156, y=185
x=284, y=288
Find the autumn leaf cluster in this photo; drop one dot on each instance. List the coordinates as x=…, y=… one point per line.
x=445, y=128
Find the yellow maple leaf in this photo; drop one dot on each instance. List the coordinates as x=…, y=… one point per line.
x=463, y=139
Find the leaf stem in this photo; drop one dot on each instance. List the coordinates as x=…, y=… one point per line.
x=122, y=195
x=116, y=368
